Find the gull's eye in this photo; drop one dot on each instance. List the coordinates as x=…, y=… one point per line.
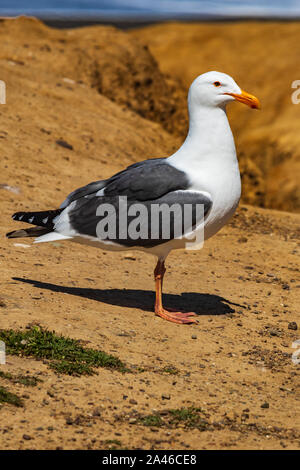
x=217, y=83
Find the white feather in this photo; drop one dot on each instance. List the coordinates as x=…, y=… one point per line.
x=51, y=237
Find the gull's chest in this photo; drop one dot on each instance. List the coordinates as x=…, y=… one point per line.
x=224, y=186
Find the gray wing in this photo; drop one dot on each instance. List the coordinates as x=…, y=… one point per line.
x=141, y=181
x=152, y=188
x=147, y=180
x=84, y=191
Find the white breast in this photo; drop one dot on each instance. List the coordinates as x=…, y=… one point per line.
x=208, y=157
x=226, y=192
x=220, y=178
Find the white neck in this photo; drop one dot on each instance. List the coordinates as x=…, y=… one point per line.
x=209, y=139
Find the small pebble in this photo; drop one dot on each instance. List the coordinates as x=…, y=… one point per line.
x=165, y=396
x=265, y=405
x=132, y=401
x=274, y=332
x=64, y=144
x=132, y=420
x=96, y=412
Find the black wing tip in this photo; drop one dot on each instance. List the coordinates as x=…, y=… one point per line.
x=17, y=215
x=28, y=232
x=14, y=234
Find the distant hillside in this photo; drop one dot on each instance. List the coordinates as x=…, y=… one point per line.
x=264, y=60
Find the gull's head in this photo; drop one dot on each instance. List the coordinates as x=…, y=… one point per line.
x=216, y=89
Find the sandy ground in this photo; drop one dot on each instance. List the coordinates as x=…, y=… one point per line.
x=244, y=284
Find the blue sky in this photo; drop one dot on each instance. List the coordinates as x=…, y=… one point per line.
x=287, y=8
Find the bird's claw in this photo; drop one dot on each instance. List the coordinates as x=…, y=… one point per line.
x=175, y=316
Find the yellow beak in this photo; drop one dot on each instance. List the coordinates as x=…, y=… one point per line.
x=246, y=98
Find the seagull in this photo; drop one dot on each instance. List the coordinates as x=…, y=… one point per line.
x=203, y=173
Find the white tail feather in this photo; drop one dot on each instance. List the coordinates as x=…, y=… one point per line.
x=51, y=237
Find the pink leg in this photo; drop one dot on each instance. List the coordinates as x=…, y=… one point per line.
x=170, y=315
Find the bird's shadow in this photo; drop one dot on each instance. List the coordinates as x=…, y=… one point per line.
x=202, y=304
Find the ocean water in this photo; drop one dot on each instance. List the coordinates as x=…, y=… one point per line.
x=143, y=9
